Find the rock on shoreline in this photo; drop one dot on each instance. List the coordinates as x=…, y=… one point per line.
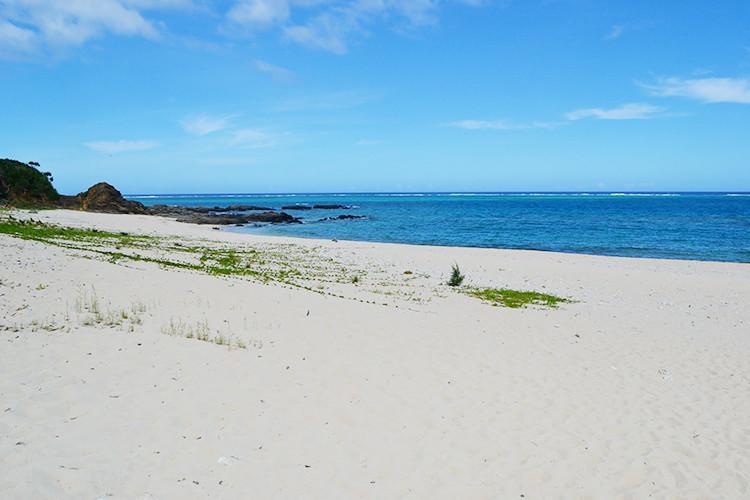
x=103, y=197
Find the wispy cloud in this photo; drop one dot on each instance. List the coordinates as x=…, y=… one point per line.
x=615, y=33
x=326, y=32
x=121, y=146
x=259, y=13
x=633, y=111
x=709, y=90
x=330, y=25
x=205, y=124
x=54, y=23
x=14, y=39
x=30, y=27
x=276, y=72
x=254, y=138
x=500, y=125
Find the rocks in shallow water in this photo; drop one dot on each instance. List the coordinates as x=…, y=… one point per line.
x=241, y=208
x=343, y=217
x=241, y=219
x=296, y=207
x=332, y=207
x=174, y=210
x=316, y=206
x=219, y=215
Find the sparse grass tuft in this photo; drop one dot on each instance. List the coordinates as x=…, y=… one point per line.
x=517, y=298
x=457, y=278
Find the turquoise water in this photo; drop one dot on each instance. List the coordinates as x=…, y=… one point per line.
x=701, y=226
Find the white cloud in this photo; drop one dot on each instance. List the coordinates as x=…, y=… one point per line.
x=259, y=12
x=710, y=90
x=254, y=138
x=16, y=39
x=205, y=124
x=328, y=24
x=160, y=4
x=326, y=31
x=56, y=23
x=121, y=146
x=276, y=72
x=61, y=23
x=633, y=111
x=48, y=25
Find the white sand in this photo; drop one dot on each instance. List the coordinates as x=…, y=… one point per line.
x=641, y=389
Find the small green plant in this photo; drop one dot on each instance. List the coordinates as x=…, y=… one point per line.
x=517, y=298
x=457, y=278
x=355, y=280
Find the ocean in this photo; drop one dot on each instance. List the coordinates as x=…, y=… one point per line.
x=698, y=226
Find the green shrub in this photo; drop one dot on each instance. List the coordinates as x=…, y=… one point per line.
x=456, y=276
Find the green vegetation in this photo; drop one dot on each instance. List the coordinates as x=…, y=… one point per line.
x=24, y=186
x=517, y=298
x=283, y=264
x=457, y=278
x=264, y=266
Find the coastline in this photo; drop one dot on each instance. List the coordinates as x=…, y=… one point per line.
x=118, y=222
x=394, y=386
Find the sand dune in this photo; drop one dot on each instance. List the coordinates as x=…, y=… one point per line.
x=396, y=386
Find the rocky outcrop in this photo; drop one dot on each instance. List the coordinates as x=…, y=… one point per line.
x=322, y=206
x=240, y=219
x=176, y=211
x=102, y=197
x=219, y=215
x=332, y=207
x=23, y=185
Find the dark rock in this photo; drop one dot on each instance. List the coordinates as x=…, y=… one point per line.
x=102, y=197
x=343, y=217
x=241, y=219
x=332, y=207
x=241, y=208
x=296, y=207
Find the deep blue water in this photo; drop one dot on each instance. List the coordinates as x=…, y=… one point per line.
x=701, y=226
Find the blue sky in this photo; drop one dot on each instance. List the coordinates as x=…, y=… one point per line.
x=175, y=96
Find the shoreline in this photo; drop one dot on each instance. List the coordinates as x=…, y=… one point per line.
x=511, y=249
x=248, y=237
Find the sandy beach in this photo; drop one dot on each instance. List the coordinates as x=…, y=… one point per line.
x=362, y=375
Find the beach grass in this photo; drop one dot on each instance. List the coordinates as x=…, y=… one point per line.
x=516, y=299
